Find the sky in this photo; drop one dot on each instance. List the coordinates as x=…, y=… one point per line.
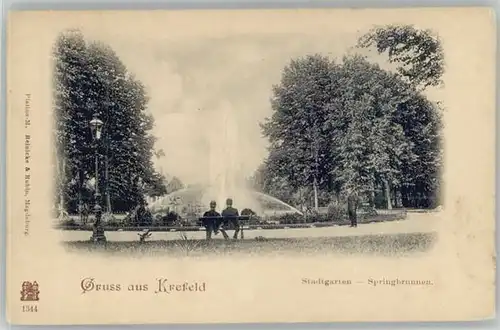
x=208, y=94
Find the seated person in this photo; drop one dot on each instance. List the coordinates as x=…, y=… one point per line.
x=231, y=213
x=210, y=224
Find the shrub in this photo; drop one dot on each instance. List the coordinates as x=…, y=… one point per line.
x=368, y=210
x=248, y=211
x=288, y=218
x=128, y=220
x=336, y=212
x=323, y=218
x=113, y=222
x=169, y=219
x=311, y=215
x=255, y=220
x=158, y=220
x=147, y=219
x=131, y=219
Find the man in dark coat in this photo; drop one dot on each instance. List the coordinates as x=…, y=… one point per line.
x=230, y=215
x=352, y=205
x=210, y=223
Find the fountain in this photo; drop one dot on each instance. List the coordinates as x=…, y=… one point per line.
x=198, y=198
x=226, y=158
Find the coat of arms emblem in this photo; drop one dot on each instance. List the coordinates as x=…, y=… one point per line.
x=30, y=291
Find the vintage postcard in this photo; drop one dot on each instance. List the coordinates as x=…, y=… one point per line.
x=242, y=166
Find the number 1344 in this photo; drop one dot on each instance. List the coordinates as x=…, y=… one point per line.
x=30, y=308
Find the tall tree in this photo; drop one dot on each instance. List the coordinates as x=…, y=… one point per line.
x=297, y=123
x=72, y=135
x=90, y=79
x=369, y=145
x=421, y=121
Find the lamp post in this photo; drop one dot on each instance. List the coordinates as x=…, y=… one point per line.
x=98, y=230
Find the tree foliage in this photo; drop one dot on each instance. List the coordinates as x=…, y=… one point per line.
x=296, y=129
x=90, y=79
x=354, y=126
x=418, y=53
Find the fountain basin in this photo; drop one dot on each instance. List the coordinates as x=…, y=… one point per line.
x=195, y=200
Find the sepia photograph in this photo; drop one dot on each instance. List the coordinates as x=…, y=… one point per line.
x=184, y=166
x=326, y=144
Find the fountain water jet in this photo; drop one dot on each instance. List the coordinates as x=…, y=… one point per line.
x=200, y=197
x=226, y=161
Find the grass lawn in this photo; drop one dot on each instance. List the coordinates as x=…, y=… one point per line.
x=378, y=244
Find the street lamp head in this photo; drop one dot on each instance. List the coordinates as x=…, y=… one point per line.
x=97, y=208
x=96, y=127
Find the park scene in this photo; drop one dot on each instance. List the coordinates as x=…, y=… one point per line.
x=305, y=151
